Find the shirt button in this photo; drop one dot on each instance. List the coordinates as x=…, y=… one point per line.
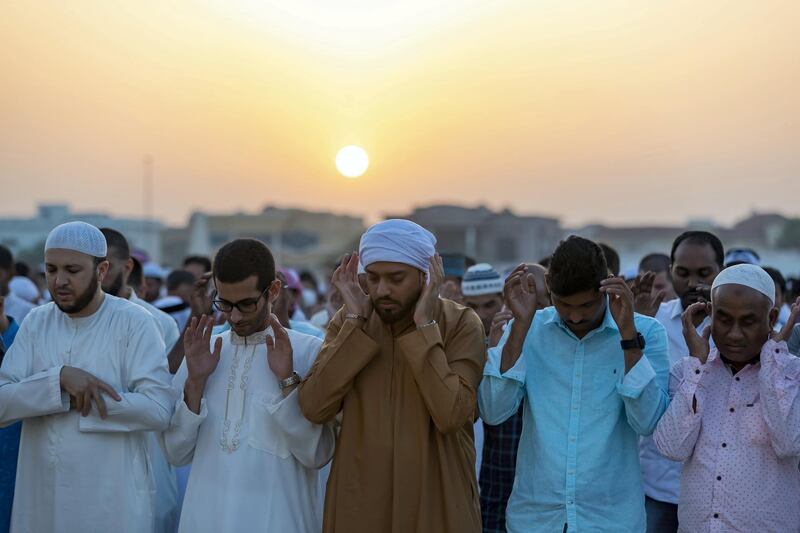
x=724, y=445
x=697, y=371
x=737, y=378
x=732, y=409
x=716, y=515
x=572, y=439
x=719, y=478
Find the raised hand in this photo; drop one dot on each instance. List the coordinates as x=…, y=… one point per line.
x=345, y=279
x=423, y=312
x=786, y=332
x=279, y=350
x=519, y=293
x=644, y=301
x=451, y=291
x=620, y=302
x=84, y=388
x=698, y=344
x=498, y=323
x=200, y=360
x=200, y=301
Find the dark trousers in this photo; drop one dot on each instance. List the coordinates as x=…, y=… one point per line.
x=662, y=517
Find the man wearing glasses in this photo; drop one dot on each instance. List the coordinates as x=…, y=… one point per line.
x=255, y=458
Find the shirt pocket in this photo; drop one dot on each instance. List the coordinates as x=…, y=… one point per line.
x=264, y=433
x=751, y=425
x=604, y=390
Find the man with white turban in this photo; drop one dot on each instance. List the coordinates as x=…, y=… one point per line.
x=734, y=418
x=87, y=377
x=402, y=366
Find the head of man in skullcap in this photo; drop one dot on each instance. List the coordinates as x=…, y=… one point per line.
x=75, y=266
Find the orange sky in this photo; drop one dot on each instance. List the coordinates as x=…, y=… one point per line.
x=598, y=110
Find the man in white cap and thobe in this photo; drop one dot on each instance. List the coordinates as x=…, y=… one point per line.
x=255, y=459
x=87, y=376
x=734, y=418
x=402, y=366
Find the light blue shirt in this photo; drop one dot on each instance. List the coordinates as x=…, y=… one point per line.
x=578, y=458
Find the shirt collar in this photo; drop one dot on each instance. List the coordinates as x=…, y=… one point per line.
x=259, y=337
x=677, y=308
x=607, y=323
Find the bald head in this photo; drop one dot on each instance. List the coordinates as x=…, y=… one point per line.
x=542, y=294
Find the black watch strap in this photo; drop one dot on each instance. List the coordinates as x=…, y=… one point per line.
x=633, y=344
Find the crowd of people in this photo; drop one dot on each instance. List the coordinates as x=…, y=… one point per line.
x=411, y=391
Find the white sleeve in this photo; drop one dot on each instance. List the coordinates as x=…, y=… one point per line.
x=180, y=438
x=23, y=392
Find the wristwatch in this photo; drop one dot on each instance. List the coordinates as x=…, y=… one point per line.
x=292, y=380
x=633, y=344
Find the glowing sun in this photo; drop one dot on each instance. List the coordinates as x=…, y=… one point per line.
x=352, y=161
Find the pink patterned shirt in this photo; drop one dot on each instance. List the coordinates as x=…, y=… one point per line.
x=741, y=446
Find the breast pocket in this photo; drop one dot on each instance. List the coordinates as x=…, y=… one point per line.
x=752, y=427
x=264, y=433
x=604, y=390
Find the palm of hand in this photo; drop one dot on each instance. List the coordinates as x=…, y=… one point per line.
x=200, y=362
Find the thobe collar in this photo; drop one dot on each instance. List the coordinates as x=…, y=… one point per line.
x=259, y=337
x=82, y=321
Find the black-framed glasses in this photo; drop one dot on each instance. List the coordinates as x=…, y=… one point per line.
x=244, y=306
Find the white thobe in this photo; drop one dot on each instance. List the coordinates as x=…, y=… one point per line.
x=165, y=506
x=80, y=473
x=17, y=308
x=255, y=458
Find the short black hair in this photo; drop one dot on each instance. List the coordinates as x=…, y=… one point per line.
x=612, y=258
x=308, y=277
x=200, y=260
x=6, y=259
x=545, y=261
x=654, y=263
x=136, y=277
x=22, y=269
x=242, y=258
x=700, y=237
x=117, y=240
x=777, y=277
x=577, y=265
x=176, y=278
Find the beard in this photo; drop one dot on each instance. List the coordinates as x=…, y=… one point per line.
x=82, y=300
x=115, y=287
x=396, y=313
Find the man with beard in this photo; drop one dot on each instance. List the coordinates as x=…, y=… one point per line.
x=696, y=259
x=402, y=366
x=87, y=376
x=734, y=418
x=593, y=375
x=115, y=283
x=255, y=458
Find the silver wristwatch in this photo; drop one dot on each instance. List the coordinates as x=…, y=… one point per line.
x=292, y=380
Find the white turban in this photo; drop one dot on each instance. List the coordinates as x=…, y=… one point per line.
x=78, y=236
x=751, y=276
x=397, y=241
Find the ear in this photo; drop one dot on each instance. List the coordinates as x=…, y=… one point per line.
x=102, y=270
x=773, y=317
x=128, y=268
x=274, y=291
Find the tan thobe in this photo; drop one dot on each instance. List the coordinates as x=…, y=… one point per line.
x=405, y=457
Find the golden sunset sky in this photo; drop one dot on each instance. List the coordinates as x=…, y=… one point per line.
x=619, y=111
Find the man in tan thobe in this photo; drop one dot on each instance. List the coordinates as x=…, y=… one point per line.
x=402, y=366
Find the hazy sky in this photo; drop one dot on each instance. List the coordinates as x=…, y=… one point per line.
x=598, y=110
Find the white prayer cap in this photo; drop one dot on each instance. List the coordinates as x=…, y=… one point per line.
x=153, y=270
x=24, y=288
x=481, y=279
x=752, y=276
x=397, y=241
x=78, y=236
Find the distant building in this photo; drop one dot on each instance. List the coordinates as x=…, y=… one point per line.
x=297, y=238
x=26, y=236
x=501, y=238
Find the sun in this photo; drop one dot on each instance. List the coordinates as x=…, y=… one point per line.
x=352, y=161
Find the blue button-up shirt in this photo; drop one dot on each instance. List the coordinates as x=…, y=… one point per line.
x=578, y=460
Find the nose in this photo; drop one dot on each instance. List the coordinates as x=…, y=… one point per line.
x=736, y=333
x=382, y=290
x=575, y=317
x=61, y=279
x=235, y=315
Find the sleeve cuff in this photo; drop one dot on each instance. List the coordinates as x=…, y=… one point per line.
x=59, y=398
x=184, y=417
x=492, y=368
x=637, y=378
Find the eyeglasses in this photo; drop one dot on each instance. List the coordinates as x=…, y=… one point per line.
x=244, y=306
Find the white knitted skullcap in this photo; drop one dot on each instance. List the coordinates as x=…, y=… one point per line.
x=79, y=237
